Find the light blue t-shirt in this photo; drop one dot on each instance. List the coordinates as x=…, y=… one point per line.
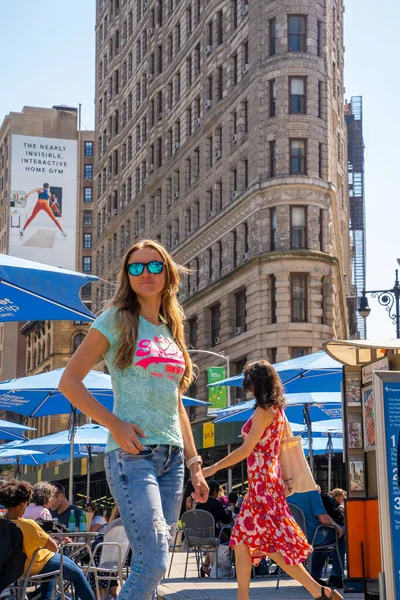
x=146, y=392
x=311, y=505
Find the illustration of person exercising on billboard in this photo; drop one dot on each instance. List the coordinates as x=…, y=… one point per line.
x=46, y=201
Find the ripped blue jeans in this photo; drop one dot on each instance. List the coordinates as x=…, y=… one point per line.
x=147, y=488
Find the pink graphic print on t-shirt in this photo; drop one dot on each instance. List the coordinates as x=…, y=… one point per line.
x=160, y=350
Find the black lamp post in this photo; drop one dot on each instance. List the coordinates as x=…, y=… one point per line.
x=390, y=299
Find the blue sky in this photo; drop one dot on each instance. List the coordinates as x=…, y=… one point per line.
x=48, y=51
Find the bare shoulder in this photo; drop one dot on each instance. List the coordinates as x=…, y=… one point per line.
x=263, y=416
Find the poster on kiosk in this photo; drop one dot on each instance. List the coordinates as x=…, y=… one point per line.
x=387, y=418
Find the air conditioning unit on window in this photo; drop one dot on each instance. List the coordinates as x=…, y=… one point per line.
x=175, y=243
x=129, y=74
x=245, y=68
x=208, y=49
x=244, y=257
x=234, y=194
x=115, y=211
x=137, y=103
x=138, y=145
x=217, y=154
x=193, y=289
x=210, y=214
x=208, y=103
x=177, y=145
x=123, y=42
x=160, y=116
x=198, y=121
x=150, y=31
x=216, y=341
x=239, y=330
x=176, y=195
x=245, y=9
x=151, y=168
x=234, y=138
x=151, y=76
x=168, y=201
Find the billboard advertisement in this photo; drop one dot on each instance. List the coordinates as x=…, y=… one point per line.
x=216, y=395
x=43, y=200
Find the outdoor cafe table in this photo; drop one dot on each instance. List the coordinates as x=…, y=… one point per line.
x=81, y=543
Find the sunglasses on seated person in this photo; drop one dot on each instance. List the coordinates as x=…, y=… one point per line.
x=155, y=267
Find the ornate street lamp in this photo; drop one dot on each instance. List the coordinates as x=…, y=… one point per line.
x=390, y=299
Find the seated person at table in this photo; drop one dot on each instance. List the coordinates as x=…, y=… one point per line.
x=311, y=505
x=233, y=503
x=214, y=506
x=43, y=492
x=61, y=508
x=97, y=519
x=15, y=496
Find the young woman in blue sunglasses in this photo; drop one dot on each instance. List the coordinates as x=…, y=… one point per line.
x=141, y=338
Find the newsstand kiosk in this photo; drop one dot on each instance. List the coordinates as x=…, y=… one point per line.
x=371, y=450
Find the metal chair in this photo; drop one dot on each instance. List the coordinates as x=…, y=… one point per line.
x=176, y=545
x=300, y=519
x=199, y=529
x=114, y=553
x=20, y=586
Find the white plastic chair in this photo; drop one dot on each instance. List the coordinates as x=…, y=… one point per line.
x=114, y=553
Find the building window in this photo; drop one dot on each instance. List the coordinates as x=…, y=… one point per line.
x=88, y=194
x=272, y=352
x=77, y=341
x=215, y=325
x=298, y=296
x=272, y=37
x=297, y=95
x=87, y=264
x=88, y=148
x=87, y=289
x=272, y=98
x=274, y=235
x=220, y=28
x=272, y=158
x=320, y=154
x=298, y=352
x=298, y=162
x=298, y=227
x=240, y=305
x=88, y=174
x=321, y=229
x=239, y=368
x=87, y=240
x=192, y=332
x=320, y=99
x=297, y=29
x=272, y=288
x=319, y=38
x=87, y=217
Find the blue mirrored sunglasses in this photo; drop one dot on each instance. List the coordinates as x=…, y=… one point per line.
x=155, y=267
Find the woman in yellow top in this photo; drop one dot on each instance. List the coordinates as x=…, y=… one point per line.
x=15, y=496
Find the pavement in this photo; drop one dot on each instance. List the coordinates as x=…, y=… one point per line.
x=195, y=588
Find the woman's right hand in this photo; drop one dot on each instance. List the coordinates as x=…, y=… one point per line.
x=125, y=435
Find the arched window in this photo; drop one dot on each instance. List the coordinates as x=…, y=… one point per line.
x=48, y=344
x=43, y=351
x=34, y=359
x=28, y=361
x=77, y=341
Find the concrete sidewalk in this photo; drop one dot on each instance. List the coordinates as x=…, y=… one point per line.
x=194, y=588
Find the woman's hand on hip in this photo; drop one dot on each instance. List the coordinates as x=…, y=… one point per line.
x=199, y=483
x=125, y=435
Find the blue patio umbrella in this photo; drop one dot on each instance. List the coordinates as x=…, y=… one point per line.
x=13, y=431
x=35, y=291
x=316, y=372
x=89, y=435
x=323, y=429
x=320, y=446
x=13, y=456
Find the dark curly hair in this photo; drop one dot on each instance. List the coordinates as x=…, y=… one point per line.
x=14, y=492
x=261, y=379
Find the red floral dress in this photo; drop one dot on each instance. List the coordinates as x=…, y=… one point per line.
x=265, y=523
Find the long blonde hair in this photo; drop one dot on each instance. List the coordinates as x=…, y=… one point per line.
x=127, y=305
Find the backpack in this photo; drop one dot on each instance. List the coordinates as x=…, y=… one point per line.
x=12, y=557
x=52, y=526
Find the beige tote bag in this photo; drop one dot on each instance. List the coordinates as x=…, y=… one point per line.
x=296, y=473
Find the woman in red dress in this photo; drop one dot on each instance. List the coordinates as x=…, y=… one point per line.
x=265, y=526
